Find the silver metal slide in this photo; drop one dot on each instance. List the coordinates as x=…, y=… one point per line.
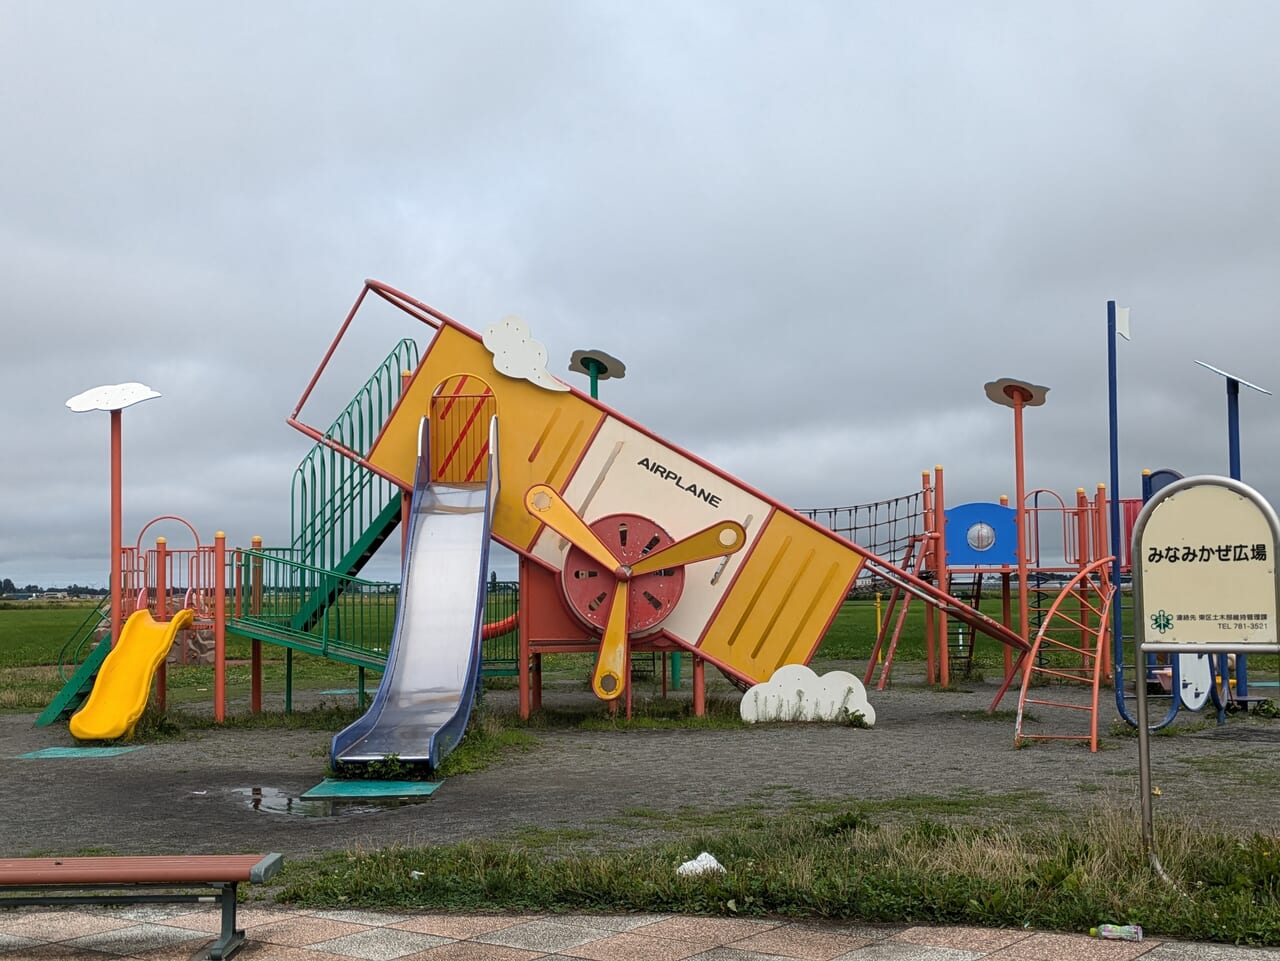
x=422, y=706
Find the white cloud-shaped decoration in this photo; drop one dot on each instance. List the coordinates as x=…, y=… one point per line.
x=796, y=693
x=111, y=397
x=518, y=355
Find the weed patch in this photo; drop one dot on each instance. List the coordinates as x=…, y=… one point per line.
x=844, y=865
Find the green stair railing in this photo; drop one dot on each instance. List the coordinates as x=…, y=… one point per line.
x=356, y=626
x=336, y=503
x=78, y=664
x=82, y=639
x=325, y=590
x=342, y=512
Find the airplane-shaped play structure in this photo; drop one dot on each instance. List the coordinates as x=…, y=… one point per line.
x=626, y=542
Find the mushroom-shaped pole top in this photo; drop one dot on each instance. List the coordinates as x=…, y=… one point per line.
x=1012, y=393
x=111, y=397
x=606, y=366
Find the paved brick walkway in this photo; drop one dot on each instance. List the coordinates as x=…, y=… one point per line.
x=281, y=934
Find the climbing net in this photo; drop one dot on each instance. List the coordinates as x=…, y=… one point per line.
x=885, y=528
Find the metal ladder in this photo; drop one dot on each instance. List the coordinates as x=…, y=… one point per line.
x=1063, y=671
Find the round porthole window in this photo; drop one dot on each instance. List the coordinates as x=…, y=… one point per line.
x=981, y=536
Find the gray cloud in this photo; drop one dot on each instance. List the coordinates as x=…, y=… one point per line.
x=812, y=233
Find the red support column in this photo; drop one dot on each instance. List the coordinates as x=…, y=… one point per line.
x=255, y=606
x=523, y=654
x=1084, y=557
x=928, y=562
x=699, y=687
x=219, y=627
x=940, y=565
x=162, y=579
x=162, y=614
x=1024, y=616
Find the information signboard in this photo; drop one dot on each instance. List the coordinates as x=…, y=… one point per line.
x=1205, y=567
x=1204, y=582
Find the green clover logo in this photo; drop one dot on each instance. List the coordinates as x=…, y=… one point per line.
x=1161, y=620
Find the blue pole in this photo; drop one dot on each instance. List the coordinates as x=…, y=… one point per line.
x=1233, y=426
x=1117, y=615
x=1233, y=460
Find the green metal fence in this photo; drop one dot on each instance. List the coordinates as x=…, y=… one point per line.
x=276, y=602
x=501, y=655
x=357, y=621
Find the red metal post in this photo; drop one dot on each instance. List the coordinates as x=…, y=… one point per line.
x=699, y=687
x=1100, y=524
x=255, y=606
x=940, y=566
x=523, y=653
x=162, y=590
x=1020, y=397
x=162, y=579
x=927, y=561
x=1085, y=531
x=219, y=627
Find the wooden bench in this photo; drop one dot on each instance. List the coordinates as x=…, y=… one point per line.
x=140, y=880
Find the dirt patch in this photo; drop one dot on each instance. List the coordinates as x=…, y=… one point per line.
x=197, y=794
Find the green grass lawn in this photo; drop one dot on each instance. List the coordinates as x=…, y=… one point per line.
x=32, y=634
x=32, y=637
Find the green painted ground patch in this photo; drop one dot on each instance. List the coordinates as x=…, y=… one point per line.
x=47, y=752
x=337, y=788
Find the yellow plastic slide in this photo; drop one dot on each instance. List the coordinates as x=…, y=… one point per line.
x=120, y=693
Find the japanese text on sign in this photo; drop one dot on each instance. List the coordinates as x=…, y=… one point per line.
x=1205, y=553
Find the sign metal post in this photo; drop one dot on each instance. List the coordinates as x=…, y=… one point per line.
x=1205, y=581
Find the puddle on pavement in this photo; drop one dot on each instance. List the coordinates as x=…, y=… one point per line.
x=274, y=801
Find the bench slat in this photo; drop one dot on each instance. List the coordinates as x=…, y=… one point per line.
x=162, y=869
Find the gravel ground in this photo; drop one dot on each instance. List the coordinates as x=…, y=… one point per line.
x=233, y=790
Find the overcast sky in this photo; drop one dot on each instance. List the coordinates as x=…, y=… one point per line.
x=812, y=230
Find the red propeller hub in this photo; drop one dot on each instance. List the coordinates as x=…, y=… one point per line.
x=588, y=585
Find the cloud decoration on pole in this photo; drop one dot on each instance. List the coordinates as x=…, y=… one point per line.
x=1015, y=393
x=597, y=365
x=111, y=397
x=518, y=355
x=114, y=398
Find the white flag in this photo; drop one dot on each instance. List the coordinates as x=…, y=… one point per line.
x=1122, y=322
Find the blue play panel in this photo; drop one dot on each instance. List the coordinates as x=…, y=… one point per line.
x=335, y=788
x=45, y=752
